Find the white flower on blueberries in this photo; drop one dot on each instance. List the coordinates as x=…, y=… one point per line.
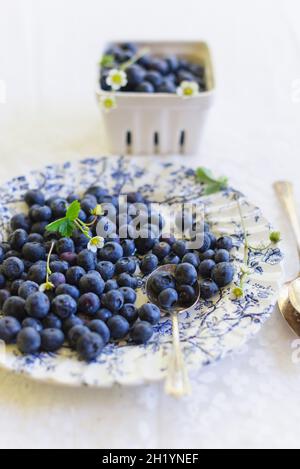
x=116, y=79
x=97, y=211
x=96, y=243
x=47, y=286
x=108, y=103
x=188, y=89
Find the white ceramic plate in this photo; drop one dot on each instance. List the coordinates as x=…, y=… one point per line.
x=213, y=329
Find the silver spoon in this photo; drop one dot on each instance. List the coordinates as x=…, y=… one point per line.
x=177, y=382
x=289, y=295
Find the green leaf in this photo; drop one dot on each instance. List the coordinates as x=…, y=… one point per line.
x=54, y=226
x=212, y=188
x=107, y=60
x=73, y=211
x=204, y=175
x=212, y=185
x=64, y=226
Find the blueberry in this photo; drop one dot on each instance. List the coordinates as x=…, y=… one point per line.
x=33, y=252
x=39, y=213
x=13, y=268
x=92, y=283
x=128, y=246
x=20, y=221
x=98, y=192
x=209, y=254
x=167, y=87
x=88, y=203
x=4, y=295
x=31, y=322
x=127, y=280
x=145, y=60
x=161, y=281
x=14, y=306
x=59, y=267
x=37, y=273
x=129, y=312
x=58, y=207
x=111, y=285
x=148, y=264
x=2, y=254
x=145, y=242
x=103, y=314
x=167, y=238
x=64, y=245
x=74, y=274
x=187, y=295
x=39, y=227
x=52, y=339
x=57, y=278
x=191, y=258
x=64, y=306
x=222, y=255
x=141, y=332
x=223, y=274
x=71, y=322
x=135, y=75
x=145, y=87
x=105, y=228
x=172, y=62
x=100, y=328
x=28, y=340
x=206, y=243
x=125, y=264
x=155, y=78
x=34, y=197
x=150, y=313
x=130, y=46
x=171, y=259
x=186, y=274
x=111, y=252
x=184, y=75
x=225, y=242
x=89, y=303
x=206, y=268
x=37, y=305
x=118, y=327
x=161, y=250
x=9, y=329
x=17, y=239
x=80, y=240
x=106, y=269
x=69, y=257
x=113, y=300
x=35, y=238
x=86, y=259
x=208, y=288
x=179, y=248
x=159, y=65
x=2, y=281
x=168, y=298
x=66, y=289
x=14, y=287
x=75, y=333
x=89, y=346
x=52, y=322
x=128, y=294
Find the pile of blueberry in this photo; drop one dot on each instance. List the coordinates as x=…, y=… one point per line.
x=152, y=74
x=93, y=300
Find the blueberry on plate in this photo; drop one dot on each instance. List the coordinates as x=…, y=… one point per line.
x=225, y=242
x=75, y=333
x=98, y=326
x=17, y=239
x=89, y=346
x=66, y=289
x=186, y=274
x=106, y=269
x=129, y=312
x=127, y=280
x=64, y=306
x=71, y=322
x=9, y=329
x=39, y=213
x=87, y=260
x=34, y=197
x=92, y=283
x=64, y=245
x=111, y=252
x=161, y=250
x=57, y=278
x=206, y=243
x=213, y=240
x=223, y=274
x=74, y=274
x=150, y=313
x=15, y=306
x=28, y=340
x=145, y=87
x=167, y=238
x=31, y=322
x=161, y=281
x=15, y=285
x=145, y=242
x=33, y=252
x=191, y=258
x=39, y=227
x=208, y=288
x=37, y=273
x=37, y=305
x=111, y=285
x=2, y=281
x=4, y=295
x=104, y=314
x=206, y=268
x=179, y=248
x=88, y=203
x=141, y=332
x=118, y=327
x=128, y=246
x=172, y=258
x=126, y=264
x=52, y=322
x=222, y=255
x=128, y=294
x=113, y=300
x=69, y=257
x=98, y=191
x=52, y=339
x=12, y=268
x=148, y=264
x=168, y=298
x=209, y=254
x=58, y=207
x=20, y=221
x=89, y=303
x=187, y=295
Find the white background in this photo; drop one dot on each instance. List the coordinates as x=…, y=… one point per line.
x=48, y=55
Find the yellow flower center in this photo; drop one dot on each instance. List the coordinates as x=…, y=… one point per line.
x=94, y=241
x=117, y=79
x=108, y=103
x=188, y=91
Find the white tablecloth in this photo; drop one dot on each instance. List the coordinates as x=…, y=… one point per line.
x=250, y=399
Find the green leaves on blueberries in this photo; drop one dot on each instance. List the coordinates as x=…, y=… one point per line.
x=65, y=226
x=73, y=211
x=211, y=184
x=107, y=60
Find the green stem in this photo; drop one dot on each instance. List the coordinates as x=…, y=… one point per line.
x=48, y=262
x=81, y=228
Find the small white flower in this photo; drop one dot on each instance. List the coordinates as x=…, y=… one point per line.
x=116, y=79
x=97, y=211
x=188, y=89
x=108, y=103
x=95, y=243
x=46, y=287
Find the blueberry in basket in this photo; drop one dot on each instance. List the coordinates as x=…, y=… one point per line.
x=126, y=68
x=61, y=283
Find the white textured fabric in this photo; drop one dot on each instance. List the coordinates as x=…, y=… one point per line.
x=48, y=54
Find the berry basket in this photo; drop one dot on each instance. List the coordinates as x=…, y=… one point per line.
x=163, y=123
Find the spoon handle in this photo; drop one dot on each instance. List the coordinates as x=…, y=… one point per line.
x=177, y=382
x=285, y=192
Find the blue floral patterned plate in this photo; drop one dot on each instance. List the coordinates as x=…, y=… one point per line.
x=208, y=333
